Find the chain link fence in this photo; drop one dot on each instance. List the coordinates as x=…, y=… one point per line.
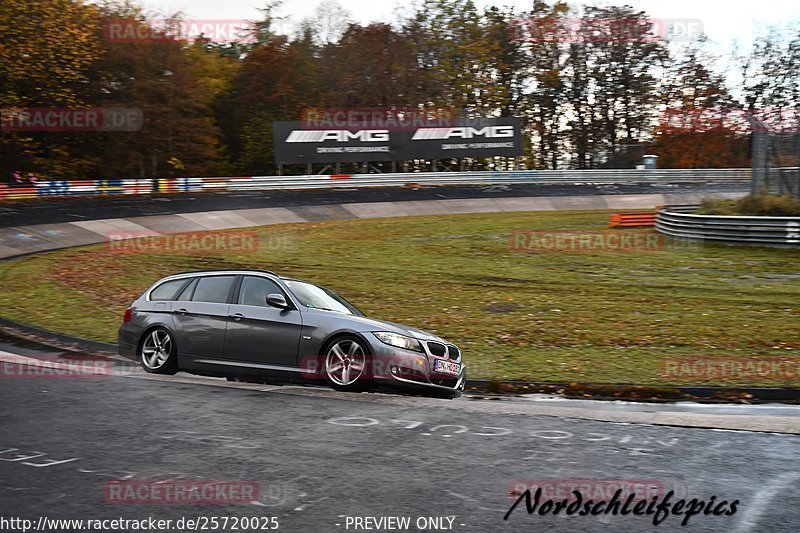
x=776, y=161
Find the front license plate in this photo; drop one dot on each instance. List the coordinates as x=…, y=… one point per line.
x=446, y=367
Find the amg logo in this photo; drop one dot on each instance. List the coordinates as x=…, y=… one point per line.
x=321, y=136
x=428, y=134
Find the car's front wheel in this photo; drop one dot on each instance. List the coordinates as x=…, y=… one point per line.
x=157, y=352
x=347, y=364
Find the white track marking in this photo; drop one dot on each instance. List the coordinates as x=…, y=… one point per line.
x=758, y=505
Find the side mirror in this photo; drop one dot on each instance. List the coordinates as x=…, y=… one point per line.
x=277, y=300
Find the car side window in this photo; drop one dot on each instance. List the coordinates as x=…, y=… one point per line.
x=254, y=290
x=186, y=293
x=213, y=289
x=166, y=291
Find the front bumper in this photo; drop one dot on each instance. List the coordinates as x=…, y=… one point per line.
x=408, y=369
x=457, y=390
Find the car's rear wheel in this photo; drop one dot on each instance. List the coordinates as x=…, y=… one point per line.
x=157, y=352
x=347, y=364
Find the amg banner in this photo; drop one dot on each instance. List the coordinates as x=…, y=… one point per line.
x=295, y=142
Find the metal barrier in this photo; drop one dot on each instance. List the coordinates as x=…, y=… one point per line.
x=255, y=183
x=632, y=220
x=762, y=231
x=733, y=175
x=61, y=188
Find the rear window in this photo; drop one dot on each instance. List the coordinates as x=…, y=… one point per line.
x=213, y=289
x=167, y=290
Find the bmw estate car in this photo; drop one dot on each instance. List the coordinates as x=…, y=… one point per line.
x=258, y=326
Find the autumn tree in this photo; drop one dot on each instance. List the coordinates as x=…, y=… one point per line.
x=454, y=56
x=370, y=66
x=163, y=78
x=700, y=126
x=546, y=77
x=625, y=59
x=46, y=50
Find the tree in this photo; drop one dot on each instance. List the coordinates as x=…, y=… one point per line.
x=771, y=79
x=159, y=77
x=624, y=58
x=700, y=127
x=371, y=66
x=46, y=49
x=546, y=101
x=454, y=56
x=330, y=23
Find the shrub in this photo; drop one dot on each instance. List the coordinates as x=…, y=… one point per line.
x=717, y=207
x=761, y=204
x=770, y=205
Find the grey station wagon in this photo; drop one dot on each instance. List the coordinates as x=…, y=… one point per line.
x=258, y=326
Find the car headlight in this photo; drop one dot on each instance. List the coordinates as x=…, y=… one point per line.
x=399, y=341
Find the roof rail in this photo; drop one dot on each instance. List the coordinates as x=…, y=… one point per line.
x=227, y=270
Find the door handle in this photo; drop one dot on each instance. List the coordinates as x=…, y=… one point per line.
x=236, y=316
x=180, y=311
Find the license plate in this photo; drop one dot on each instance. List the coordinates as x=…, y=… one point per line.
x=446, y=367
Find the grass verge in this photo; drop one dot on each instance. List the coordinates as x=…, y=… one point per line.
x=598, y=317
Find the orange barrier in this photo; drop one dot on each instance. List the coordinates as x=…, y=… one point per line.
x=341, y=176
x=629, y=220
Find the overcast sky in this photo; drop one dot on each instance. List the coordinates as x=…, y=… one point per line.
x=724, y=21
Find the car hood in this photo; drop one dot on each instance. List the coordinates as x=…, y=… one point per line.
x=364, y=323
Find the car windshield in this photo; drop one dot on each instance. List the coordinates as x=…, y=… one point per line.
x=321, y=298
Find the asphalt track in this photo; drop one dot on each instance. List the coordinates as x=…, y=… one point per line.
x=73, y=209
x=319, y=456
x=321, y=459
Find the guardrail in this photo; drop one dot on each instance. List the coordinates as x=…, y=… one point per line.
x=250, y=183
x=60, y=188
x=761, y=231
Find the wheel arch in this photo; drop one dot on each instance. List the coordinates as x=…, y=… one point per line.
x=336, y=335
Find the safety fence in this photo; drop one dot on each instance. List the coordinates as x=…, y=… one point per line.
x=61, y=188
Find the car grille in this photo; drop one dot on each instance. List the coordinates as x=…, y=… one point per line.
x=453, y=352
x=438, y=349
x=446, y=382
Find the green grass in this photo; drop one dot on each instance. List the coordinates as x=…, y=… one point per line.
x=587, y=317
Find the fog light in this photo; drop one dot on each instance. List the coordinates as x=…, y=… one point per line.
x=394, y=370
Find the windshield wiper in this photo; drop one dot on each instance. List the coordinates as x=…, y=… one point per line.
x=324, y=308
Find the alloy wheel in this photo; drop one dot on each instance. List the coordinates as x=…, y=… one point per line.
x=345, y=362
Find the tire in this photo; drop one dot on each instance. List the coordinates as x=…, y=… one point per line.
x=348, y=364
x=157, y=353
